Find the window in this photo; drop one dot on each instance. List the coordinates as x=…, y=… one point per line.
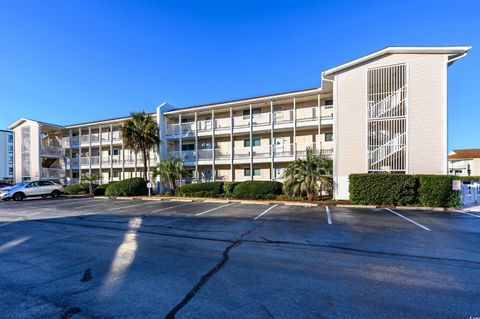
x=256, y=142
x=10, y=148
x=188, y=147
x=75, y=175
x=10, y=171
x=246, y=113
x=116, y=174
x=45, y=183
x=256, y=172
x=116, y=152
x=328, y=103
x=188, y=119
x=10, y=138
x=328, y=137
x=10, y=159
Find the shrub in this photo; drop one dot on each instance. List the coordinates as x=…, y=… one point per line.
x=100, y=189
x=383, y=189
x=257, y=190
x=77, y=189
x=213, y=189
x=228, y=188
x=128, y=187
x=436, y=190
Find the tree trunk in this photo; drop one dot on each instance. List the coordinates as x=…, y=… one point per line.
x=145, y=169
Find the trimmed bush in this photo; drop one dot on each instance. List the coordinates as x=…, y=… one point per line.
x=257, y=190
x=228, y=188
x=77, y=189
x=436, y=191
x=100, y=189
x=128, y=187
x=383, y=189
x=213, y=189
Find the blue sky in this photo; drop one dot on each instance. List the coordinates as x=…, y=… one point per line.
x=72, y=61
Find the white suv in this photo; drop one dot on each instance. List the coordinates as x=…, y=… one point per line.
x=31, y=189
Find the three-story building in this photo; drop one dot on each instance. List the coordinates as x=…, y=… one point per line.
x=383, y=112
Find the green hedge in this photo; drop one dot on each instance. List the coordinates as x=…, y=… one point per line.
x=213, y=189
x=257, y=190
x=382, y=189
x=228, y=188
x=436, y=191
x=400, y=190
x=128, y=187
x=78, y=189
x=100, y=190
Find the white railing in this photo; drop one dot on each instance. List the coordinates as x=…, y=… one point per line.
x=262, y=119
x=285, y=150
x=222, y=123
x=95, y=160
x=105, y=137
x=56, y=151
x=307, y=114
x=74, y=141
x=204, y=125
x=283, y=117
x=85, y=160
x=388, y=104
x=241, y=122
x=391, y=147
x=222, y=154
x=187, y=128
x=241, y=153
x=53, y=172
x=85, y=139
x=117, y=136
x=116, y=160
x=94, y=138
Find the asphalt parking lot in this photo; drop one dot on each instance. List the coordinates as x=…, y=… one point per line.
x=98, y=258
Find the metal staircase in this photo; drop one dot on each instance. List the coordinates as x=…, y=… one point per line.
x=388, y=149
x=387, y=106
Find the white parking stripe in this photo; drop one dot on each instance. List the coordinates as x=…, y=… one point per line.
x=264, y=212
x=170, y=207
x=470, y=214
x=329, y=218
x=130, y=206
x=211, y=210
x=406, y=218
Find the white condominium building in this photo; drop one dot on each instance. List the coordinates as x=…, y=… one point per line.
x=464, y=162
x=6, y=155
x=384, y=112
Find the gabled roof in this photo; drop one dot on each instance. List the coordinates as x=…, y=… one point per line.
x=465, y=154
x=23, y=120
x=452, y=50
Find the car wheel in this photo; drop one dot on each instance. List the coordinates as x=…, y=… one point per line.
x=55, y=194
x=18, y=196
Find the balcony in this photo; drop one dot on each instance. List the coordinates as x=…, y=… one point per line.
x=52, y=151
x=53, y=173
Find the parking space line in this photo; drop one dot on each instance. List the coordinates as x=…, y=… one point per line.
x=211, y=210
x=265, y=211
x=470, y=214
x=406, y=218
x=170, y=207
x=131, y=206
x=329, y=218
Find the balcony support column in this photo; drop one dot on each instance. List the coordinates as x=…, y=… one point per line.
x=196, y=147
x=89, y=151
x=272, y=146
x=100, y=153
x=294, y=128
x=79, y=153
x=232, y=172
x=180, y=143
x=319, y=142
x=214, y=174
x=251, y=143
x=111, y=152
x=70, y=154
x=123, y=159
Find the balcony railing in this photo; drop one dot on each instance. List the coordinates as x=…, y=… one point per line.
x=53, y=172
x=55, y=151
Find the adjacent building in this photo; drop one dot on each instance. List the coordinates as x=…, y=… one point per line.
x=6, y=155
x=383, y=112
x=464, y=162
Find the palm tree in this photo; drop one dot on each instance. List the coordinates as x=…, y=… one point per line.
x=90, y=180
x=309, y=175
x=169, y=170
x=140, y=133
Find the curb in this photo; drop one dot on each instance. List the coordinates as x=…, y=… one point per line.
x=356, y=206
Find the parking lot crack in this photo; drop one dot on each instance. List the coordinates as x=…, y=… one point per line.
x=206, y=277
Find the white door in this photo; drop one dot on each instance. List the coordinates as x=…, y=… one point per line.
x=278, y=173
x=278, y=145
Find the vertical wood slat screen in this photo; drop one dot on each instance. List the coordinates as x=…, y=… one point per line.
x=387, y=118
